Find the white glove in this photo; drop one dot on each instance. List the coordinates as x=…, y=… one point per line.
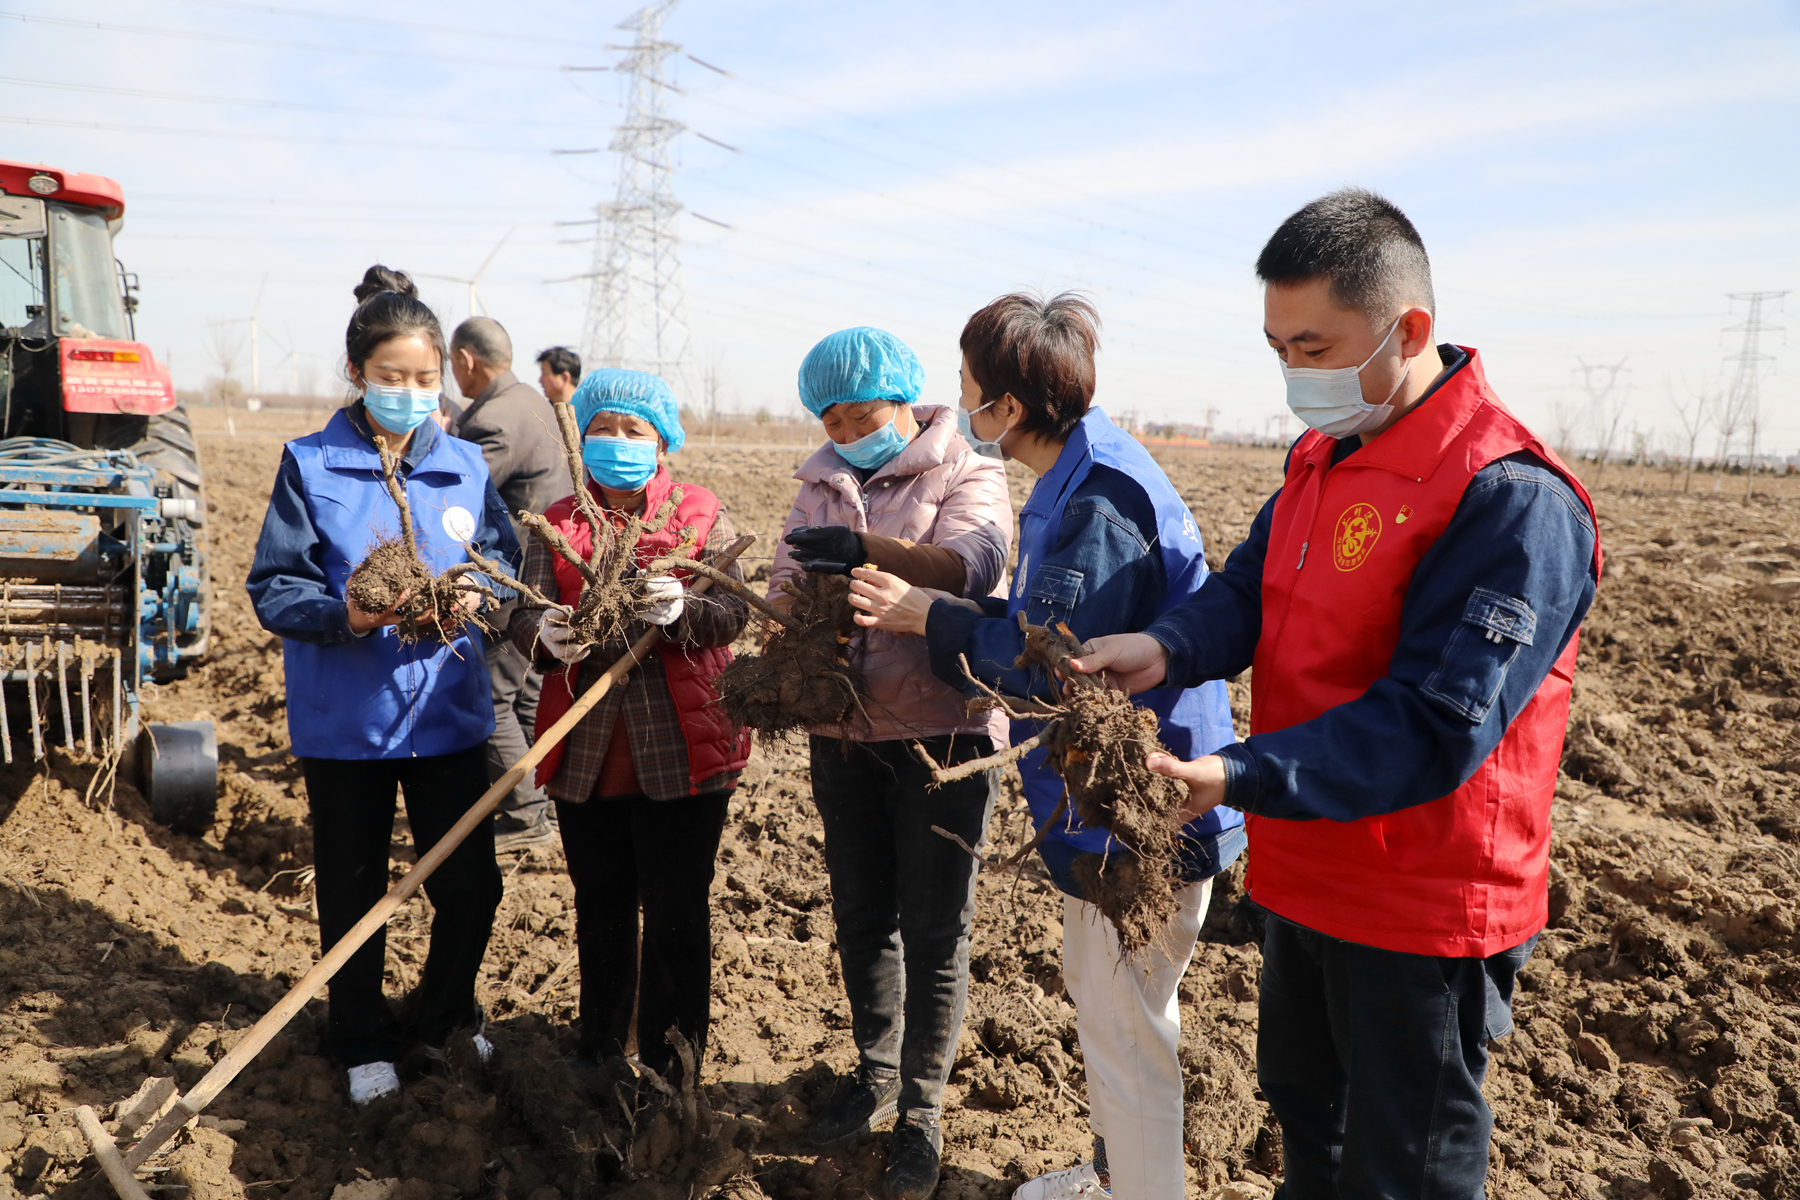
x=667, y=599
x=555, y=636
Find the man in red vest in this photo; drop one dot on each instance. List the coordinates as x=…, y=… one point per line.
x=1409, y=600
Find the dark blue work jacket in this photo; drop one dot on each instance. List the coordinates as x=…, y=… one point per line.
x=1107, y=546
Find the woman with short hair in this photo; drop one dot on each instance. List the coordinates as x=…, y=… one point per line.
x=1105, y=545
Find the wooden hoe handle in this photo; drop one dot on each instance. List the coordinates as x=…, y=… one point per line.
x=187, y=1107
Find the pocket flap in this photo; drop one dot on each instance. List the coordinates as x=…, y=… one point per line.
x=1501, y=615
x=1057, y=585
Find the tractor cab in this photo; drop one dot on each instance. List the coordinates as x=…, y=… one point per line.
x=103, y=581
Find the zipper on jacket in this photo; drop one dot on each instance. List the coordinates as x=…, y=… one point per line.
x=1302, y=562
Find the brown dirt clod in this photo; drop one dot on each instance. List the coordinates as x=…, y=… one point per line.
x=803, y=677
x=1098, y=746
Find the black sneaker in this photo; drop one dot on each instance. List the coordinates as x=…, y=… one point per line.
x=854, y=1110
x=913, y=1154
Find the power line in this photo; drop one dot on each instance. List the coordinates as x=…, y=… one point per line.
x=275, y=105
x=257, y=136
x=237, y=39
x=363, y=19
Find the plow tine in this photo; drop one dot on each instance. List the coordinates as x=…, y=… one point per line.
x=116, y=746
x=5, y=722
x=87, y=710
x=62, y=688
x=37, y=731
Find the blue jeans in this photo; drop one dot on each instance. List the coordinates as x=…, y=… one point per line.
x=1373, y=1062
x=903, y=898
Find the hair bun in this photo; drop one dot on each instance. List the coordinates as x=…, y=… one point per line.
x=378, y=279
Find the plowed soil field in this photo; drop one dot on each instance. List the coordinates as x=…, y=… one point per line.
x=1658, y=1043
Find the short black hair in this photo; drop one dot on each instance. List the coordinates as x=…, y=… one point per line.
x=562, y=361
x=1363, y=244
x=1042, y=352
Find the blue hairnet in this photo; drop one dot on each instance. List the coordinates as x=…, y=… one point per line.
x=634, y=392
x=854, y=365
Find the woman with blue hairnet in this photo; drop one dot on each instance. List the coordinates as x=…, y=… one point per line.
x=897, y=485
x=642, y=783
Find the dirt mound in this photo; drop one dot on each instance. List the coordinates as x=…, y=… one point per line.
x=802, y=676
x=1657, y=1050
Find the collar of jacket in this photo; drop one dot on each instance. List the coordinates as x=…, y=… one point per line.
x=937, y=442
x=502, y=381
x=1416, y=444
x=424, y=440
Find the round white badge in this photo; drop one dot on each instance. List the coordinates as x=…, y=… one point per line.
x=459, y=523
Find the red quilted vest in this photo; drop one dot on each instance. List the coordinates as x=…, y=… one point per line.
x=1461, y=876
x=715, y=745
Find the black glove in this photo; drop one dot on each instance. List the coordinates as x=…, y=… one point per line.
x=827, y=549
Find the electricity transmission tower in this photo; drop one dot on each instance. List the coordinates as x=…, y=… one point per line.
x=1598, y=380
x=1741, y=404
x=637, y=305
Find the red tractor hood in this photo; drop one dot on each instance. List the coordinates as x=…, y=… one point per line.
x=103, y=376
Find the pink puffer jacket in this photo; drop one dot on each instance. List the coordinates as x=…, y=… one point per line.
x=938, y=491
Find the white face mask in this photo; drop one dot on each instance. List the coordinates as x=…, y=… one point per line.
x=1330, y=400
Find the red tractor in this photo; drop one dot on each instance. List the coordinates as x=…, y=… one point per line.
x=103, y=580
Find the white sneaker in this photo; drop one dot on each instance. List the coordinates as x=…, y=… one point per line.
x=1082, y=1181
x=371, y=1081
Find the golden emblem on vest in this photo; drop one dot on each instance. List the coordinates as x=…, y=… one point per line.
x=1357, y=531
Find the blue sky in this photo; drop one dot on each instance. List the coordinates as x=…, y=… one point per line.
x=1590, y=178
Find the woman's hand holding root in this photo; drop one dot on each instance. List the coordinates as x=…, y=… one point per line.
x=666, y=600
x=889, y=602
x=555, y=636
x=1205, y=779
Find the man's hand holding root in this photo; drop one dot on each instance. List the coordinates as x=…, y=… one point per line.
x=1205, y=779
x=1132, y=662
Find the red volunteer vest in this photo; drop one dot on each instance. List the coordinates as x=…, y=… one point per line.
x=1464, y=875
x=714, y=744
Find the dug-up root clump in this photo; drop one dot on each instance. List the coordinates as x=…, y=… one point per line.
x=804, y=676
x=1097, y=740
x=430, y=606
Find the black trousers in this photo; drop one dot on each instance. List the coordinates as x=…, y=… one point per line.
x=903, y=898
x=1373, y=1062
x=352, y=803
x=634, y=852
x=515, y=687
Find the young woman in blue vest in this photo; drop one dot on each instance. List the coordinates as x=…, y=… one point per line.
x=1106, y=545
x=368, y=712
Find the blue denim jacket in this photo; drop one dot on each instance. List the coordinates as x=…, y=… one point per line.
x=1097, y=564
x=1520, y=531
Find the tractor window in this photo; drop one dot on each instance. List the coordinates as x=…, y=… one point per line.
x=21, y=280
x=85, y=288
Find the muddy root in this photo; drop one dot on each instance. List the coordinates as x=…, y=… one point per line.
x=804, y=676
x=1099, y=746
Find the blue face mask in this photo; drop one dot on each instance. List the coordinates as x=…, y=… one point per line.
x=873, y=451
x=622, y=464
x=984, y=448
x=399, y=409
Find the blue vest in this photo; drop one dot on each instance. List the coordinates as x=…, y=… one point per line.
x=374, y=697
x=1191, y=721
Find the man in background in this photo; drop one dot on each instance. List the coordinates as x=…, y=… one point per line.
x=517, y=434
x=559, y=370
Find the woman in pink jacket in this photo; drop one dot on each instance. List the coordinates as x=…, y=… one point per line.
x=896, y=485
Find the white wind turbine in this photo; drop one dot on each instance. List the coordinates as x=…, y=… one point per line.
x=475, y=303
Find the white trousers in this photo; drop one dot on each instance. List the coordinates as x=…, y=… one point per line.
x=1129, y=1022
